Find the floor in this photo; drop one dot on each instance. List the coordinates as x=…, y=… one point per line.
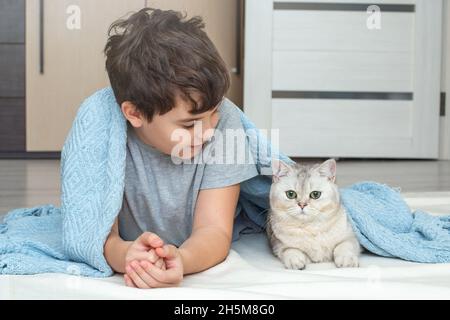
x=27, y=183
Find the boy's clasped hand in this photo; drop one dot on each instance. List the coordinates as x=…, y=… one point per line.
x=149, y=263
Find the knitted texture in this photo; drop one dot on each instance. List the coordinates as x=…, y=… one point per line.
x=385, y=225
x=70, y=239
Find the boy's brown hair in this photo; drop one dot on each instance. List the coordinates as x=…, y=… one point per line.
x=154, y=55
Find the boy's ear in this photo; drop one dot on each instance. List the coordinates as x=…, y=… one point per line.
x=131, y=113
x=279, y=169
x=328, y=169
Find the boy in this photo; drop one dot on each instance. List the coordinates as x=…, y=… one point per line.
x=176, y=218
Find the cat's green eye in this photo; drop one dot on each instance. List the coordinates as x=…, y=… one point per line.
x=315, y=194
x=291, y=194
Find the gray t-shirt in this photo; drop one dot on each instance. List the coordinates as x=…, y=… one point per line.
x=160, y=195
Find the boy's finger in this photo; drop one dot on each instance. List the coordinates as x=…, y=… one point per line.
x=161, y=252
x=128, y=281
x=169, y=276
x=155, y=283
x=160, y=263
x=144, y=255
x=152, y=256
x=151, y=239
x=149, y=281
x=166, y=251
x=154, y=240
x=136, y=278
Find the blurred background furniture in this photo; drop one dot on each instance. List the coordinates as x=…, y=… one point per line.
x=12, y=75
x=48, y=68
x=336, y=87
x=312, y=69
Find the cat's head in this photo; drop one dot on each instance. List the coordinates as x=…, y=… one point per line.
x=304, y=192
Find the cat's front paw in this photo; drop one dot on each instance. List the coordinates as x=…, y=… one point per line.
x=294, y=259
x=346, y=261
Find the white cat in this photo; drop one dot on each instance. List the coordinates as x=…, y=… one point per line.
x=306, y=222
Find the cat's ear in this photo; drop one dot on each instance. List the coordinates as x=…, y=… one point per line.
x=328, y=169
x=279, y=169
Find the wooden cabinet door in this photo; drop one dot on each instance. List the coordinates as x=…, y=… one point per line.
x=73, y=63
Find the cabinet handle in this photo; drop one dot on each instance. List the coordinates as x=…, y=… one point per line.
x=237, y=69
x=41, y=36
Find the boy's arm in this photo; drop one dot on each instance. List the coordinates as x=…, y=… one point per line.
x=212, y=229
x=115, y=249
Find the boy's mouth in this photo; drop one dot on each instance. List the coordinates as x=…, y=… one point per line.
x=198, y=145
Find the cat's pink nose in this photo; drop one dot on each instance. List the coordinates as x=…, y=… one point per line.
x=302, y=205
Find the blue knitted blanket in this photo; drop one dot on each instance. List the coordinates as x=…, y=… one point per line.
x=70, y=239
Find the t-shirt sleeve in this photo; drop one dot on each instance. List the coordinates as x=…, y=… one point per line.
x=224, y=175
x=238, y=167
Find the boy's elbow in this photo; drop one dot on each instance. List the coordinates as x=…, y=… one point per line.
x=226, y=246
x=225, y=254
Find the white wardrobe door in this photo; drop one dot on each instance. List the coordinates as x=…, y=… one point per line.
x=341, y=89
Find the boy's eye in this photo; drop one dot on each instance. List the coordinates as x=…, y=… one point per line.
x=189, y=126
x=315, y=194
x=291, y=194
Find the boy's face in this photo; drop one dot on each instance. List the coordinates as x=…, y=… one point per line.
x=177, y=132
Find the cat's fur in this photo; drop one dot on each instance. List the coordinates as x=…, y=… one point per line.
x=320, y=231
